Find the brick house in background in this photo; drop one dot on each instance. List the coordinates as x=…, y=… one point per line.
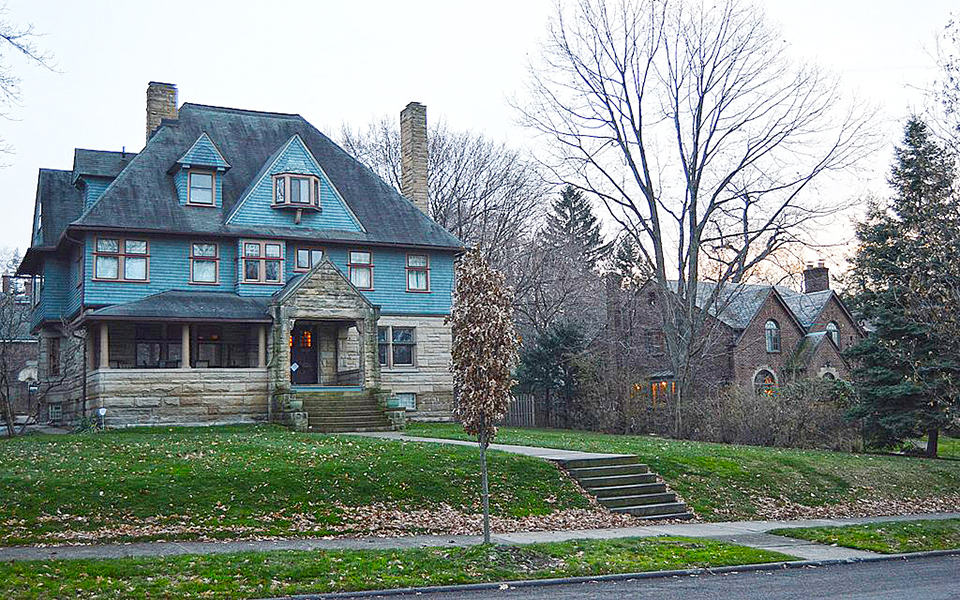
x=758, y=337
x=242, y=267
x=18, y=348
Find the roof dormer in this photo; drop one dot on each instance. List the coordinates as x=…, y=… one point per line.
x=198, y=174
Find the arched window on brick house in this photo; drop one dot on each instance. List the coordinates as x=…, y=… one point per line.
x=772, y=334
x=764, y=382
x=834, y=332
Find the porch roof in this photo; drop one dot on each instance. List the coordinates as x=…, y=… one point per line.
x=180, y=306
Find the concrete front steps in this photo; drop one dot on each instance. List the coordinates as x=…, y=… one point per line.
x=342, y=412
x=623, y=484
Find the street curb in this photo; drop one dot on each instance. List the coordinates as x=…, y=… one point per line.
x=472, y=587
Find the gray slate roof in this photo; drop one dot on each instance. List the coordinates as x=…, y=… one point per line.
x=806, y=349
x=144, y=198
x=201, y=306
x=807, y=307
x=61, y=203
x=99, y=163
x=737, y=304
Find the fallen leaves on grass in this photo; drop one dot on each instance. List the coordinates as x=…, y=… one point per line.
x=784, y=509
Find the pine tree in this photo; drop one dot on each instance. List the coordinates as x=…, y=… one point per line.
x=906, y=283
x=572, y=228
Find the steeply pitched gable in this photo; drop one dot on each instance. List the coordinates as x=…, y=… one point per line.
x=255, y=206
x=203, y=153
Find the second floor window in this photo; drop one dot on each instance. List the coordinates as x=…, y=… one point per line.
x=418, y=273
x=307, y=258
x=200, y=188
x=118, y=259
x=262, y=262
x=203, y=263
x=361, y=269
x=834, y=332
x=772, y=332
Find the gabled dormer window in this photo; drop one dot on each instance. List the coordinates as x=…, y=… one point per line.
x=296, y=191
x=200, y=188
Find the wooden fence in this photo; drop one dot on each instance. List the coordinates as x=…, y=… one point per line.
x=522, y=411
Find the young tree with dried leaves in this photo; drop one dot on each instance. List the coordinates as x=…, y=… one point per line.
x=702, y=139
x=483, y=356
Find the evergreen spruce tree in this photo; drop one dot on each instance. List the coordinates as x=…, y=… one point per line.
x=906, y=284
x=572, y=228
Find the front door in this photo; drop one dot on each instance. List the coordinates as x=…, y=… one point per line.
x=304, y=355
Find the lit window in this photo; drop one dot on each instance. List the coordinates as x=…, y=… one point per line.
x=765, y=382
x=772, y=331
x=661, y=392
x=203, y=263
x=418, y=273
x=361, y=269
x=121, y=260
x=262, y=262
x=307, y=258
x=200, y=188
x=396, y=346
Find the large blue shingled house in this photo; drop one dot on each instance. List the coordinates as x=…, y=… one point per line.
x=241, y=267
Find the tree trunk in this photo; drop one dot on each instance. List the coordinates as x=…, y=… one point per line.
x=486, y=488
x=933, y=436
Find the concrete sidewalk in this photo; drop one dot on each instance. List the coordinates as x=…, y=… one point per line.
x=544, y=453
x=746, y=533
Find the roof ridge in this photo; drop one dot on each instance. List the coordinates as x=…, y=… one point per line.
x=105, y=151
x=241, y=110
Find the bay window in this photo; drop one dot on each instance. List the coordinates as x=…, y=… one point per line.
x=297, y=190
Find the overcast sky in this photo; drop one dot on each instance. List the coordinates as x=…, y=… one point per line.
x=337, y=61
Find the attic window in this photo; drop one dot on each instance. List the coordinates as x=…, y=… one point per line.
x=200, y=188
x=296, y=190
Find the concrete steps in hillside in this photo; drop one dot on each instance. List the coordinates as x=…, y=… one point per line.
x=624, y=484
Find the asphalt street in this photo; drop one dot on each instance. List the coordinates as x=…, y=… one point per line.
x=914, y=579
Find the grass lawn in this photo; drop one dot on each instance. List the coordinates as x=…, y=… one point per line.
x=886, y=538
x=728, y=482
x=257, y=575
x=948, y=447
x=229, y=482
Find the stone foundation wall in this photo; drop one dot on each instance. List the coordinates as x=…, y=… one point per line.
x=182, y=397
x=430, y=379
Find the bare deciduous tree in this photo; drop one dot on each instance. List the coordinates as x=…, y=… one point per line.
x=703, y=140
x=481, y=191
x=483, y=356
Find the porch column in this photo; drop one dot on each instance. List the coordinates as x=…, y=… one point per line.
x=185, y=347
x=262, y=346
x=104, y=346
x=89, y=342
x=363, y=354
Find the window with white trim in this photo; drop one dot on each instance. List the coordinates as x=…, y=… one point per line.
x=262, y=262
x=360, y=263
x=307, y=258
x=418, y=273
x=55, y=412
x=204, y=262
x=397, y=346
x=120, y=259
x=200, y=188
x=833, y=330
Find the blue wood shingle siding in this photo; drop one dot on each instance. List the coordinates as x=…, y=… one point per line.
x=93, y=188
x=204, y=154
x=170, y=270
x=255, y=207
x=53, y=295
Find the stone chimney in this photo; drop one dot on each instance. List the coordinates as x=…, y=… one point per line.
x=161, y=104
x=816, y=278
x=413, y=155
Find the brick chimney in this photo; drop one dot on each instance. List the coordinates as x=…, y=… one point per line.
x=161, y=104
x=816, y=278
x=413, y=155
